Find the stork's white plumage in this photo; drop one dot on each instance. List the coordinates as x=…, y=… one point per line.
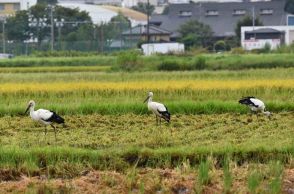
x=43, y=116
x=158, y=109
x=254, y=104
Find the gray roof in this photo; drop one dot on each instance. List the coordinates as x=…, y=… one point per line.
x=264, y=30
x=142, y=29
x=224, y=23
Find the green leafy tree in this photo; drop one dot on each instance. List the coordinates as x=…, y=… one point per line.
x=289, y=6
x=18, y=28
x=245, y=21
x=144, y=8
x=195, y=34
x=115, y=27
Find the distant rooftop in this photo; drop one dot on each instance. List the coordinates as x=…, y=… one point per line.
x=103, y=13
x=142, y=29
x=221, y=17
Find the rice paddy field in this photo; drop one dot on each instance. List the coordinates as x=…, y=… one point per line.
x=111, y=143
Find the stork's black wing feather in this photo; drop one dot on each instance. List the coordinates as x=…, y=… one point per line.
x=55, y=118
x=165, y=114
x=247, y=101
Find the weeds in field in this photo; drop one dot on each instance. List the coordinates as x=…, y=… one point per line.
x=204, y=177
x=254, y=180
x=228, y=178
x=276, y=171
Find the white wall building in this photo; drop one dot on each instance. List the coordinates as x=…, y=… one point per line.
x=22, y=4
x=164, y=48
x=257, y=37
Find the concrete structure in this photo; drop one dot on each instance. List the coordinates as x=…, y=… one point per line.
x=103, y=14
x=153, y=48
x=222, y=17
x=9, y=7
x=257, y=37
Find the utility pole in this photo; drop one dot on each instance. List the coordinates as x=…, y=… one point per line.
x=148, y=13
x=52, y=27
x=3, y=35
x=253, y=19
x=101, y=39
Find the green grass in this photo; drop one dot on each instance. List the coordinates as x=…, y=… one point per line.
x=80, y=106
x=257, y=74
x=212, y=62
x=57, y=61
x=57, y=69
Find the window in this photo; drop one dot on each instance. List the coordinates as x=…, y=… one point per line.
x=290, y=21
x=211, y=13
x=1, y=7
x=185, y=14
x=16, y=6
x=239, y=12
x=266, y=12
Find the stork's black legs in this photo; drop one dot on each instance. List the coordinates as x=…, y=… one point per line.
x=54, y=131
x=45, y=130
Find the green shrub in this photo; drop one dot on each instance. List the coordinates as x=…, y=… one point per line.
x=168, y=65
x=266, y=48
x=199, y=63
x=220, y=46
x=128, y=61
x=285, y=49
x=238, y=50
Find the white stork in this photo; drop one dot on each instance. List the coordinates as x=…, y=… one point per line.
x=43, y=116
x=158, y=109
x=254, y=104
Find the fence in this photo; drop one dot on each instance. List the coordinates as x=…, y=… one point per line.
x=22, y=48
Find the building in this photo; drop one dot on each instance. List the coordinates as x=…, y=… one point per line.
x=222, y=17
x=139, y=32
x=94, y=2
x=103, y=13
x=258, y=36
x=9, y=7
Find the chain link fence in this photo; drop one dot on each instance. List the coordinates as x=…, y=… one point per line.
x=23, y=48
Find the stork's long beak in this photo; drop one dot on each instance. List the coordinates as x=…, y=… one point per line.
x=146, y=99
x=27, y=109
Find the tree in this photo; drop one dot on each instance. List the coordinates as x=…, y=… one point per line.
x=18, y=29
x=116, y=26
x=143, y=7
x=289, y=6
x=245, y=21
x=195, y=33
